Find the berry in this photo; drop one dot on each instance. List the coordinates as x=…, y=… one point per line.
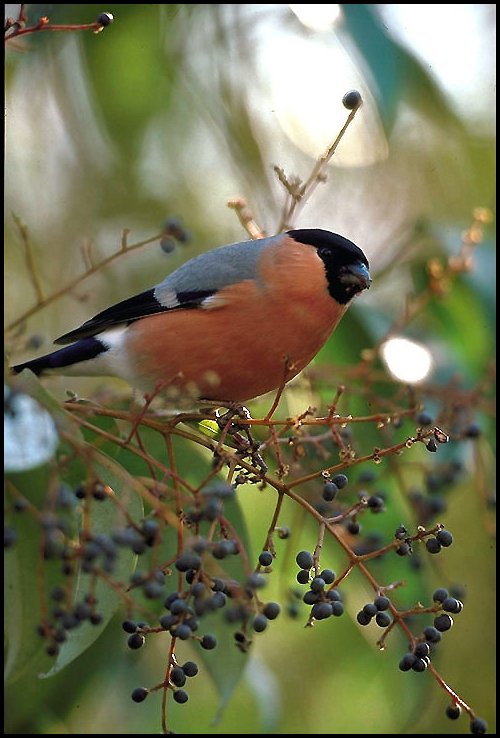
x=317, y=584
x=303, y=576
x=419, y=665
x=266, y=558
x=139, y=694
x=444, y=537
x=431, y=445
x=473, y=431
x=422, y=649
x=188, y=561
x=443, y=623
x=351, y=100
x=370, y=609
x=400, y=533
x=440, y=595
x=9, y=536
x=260, y=623
x=190, y=669
x=328, y=576
x=271, y=610
x=424, y=418
x=136, y=641
x=166, y=621
x=375, y=503
x=217, y=600
x=340, y=480
x=363, y=618
x=330, y=491
x=337, y=608
x=99, y=492
x=182, y=631
x=431, y=634
x=256, y=581
x=167, y=244
x=178, y=606
x=321, y=610
x=383, y=619
x=105, y=19
x=433, y=546
x=304, y=560
x=407, y=662
x=177, y=676
x=403, y=549
x=453, y=711
x=310, y=597
x=452, y=605
x=334, y=595
x=353, y=527
x=478, y=725
x=381, y=602
x=181, y=696
x=208, y=642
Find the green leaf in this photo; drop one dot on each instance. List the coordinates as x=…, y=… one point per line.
x=22, y=613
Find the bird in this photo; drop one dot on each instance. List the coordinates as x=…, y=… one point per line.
x=228, y=326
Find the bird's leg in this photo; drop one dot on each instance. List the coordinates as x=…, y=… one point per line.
x=240, y=433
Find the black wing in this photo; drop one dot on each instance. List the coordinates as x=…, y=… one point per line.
x=134, y=308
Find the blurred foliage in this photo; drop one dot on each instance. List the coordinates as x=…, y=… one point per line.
x=170, y=112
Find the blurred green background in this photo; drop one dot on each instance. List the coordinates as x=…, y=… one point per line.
x=172, y=111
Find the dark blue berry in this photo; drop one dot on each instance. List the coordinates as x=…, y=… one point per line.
x=105, y=19
x=422, y=649
x=440, y=594
x=424, y=418
x=271, y=610
x=363, y=618
x=177, y=676
x=303, y=576
x=443, y=623
x=444, y=537
x=404, y=549
x=139, y=694
x=208, y=642
x=266, y=558
x=260, y=623
x=407, y=662
x=321, y=610
x=431, y=634
x=383, y=619
x=330, y=491
x=328, y=576
x=381, y=602
x=433, y=546
x=340, y=480
x=351, y=100
x=181, y=696
x=190, y=669
x=135, y=641
x=304, y=560
x=478, y=725
x=453, y=712
x=452, y=605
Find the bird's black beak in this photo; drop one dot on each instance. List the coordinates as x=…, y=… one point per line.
x=355, y=277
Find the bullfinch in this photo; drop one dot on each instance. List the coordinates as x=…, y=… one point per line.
x=227, y=326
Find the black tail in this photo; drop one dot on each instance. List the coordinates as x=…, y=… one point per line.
x=87, y=348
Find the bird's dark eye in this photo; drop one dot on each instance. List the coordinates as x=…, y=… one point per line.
x=325, y=252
